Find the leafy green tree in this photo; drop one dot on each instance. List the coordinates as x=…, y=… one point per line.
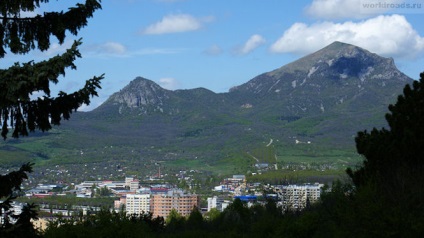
x=236, y=216
x=18, y=110
x=103, y=192
x=174, y=221
x=213, y=214
x=195, y=220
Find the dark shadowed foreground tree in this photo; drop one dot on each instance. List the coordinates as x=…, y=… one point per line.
x=389, y=196
x=21, y=34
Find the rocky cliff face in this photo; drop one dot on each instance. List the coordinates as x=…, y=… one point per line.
x=141, y=94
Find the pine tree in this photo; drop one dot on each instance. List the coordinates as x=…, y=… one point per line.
x=390, y=181
x=395, y=155
x=17, y=109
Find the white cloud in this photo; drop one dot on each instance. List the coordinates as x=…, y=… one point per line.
x=108, y=49
x=333, y=9
x=169, y=83
x=213, y=50
x=175, y=23
x=113, y=48
x=252, y=43
x=386, y=35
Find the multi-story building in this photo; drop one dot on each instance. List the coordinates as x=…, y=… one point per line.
x=137, y=203
x=299, y=196
x=217, y=202
x=132, y=183
x=162, y=204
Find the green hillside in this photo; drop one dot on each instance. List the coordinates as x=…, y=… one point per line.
x=304, y=115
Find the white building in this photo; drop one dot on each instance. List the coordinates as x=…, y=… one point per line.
x=137, y=203
x=132, y=183
x=298, y=196
x=216, y=202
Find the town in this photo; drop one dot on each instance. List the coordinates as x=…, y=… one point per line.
x=136, y=196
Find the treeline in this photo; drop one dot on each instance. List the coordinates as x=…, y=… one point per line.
x=340, y=213
x=237, y=220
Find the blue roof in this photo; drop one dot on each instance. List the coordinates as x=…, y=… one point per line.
x=246, y=198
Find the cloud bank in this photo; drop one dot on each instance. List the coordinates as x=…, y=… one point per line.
x=386, y=35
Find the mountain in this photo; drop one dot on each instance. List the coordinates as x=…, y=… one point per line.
x=322, y=99
x=333, y=92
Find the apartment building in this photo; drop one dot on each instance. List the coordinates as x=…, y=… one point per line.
x=162, y=204
x=299, y=196
x=137, y=203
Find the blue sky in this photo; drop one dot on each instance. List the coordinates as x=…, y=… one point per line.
x=217, y=44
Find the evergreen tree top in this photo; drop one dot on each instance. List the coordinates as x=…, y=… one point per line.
x=22, y=34
x=17, y=83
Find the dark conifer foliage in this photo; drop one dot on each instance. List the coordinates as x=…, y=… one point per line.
x=22, y=34
x=17, y=83
x=390, y=181
x=21, y=80
x=395, y=155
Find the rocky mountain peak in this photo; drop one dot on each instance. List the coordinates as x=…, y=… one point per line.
x=140, y=93
x=336, y=62
x=337, y=55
